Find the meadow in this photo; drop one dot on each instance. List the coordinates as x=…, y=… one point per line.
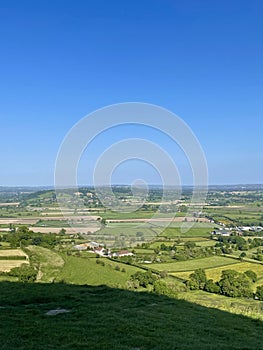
x=198, y=230
x=48, y=262
x=89, y=271
x=190, y=265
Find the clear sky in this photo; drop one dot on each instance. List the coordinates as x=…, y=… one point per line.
x=63, y=59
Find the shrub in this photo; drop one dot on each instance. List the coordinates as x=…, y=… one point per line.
x=211, y=287
x=144, y=278
x=252, y=275
x=25, y=273
x=259, y=292
x=162, y=288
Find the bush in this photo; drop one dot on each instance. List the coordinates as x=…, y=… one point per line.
x=163, y=288
x=259, y=293
x=211, y=287
x=252, y=275
x=144, y=278
x=25, y=273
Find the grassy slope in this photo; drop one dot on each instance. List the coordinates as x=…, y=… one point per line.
x=87, y=271
x=48, y=262
x=105, y=318
x=241, y=306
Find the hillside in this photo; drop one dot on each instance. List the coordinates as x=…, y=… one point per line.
x=106, y=318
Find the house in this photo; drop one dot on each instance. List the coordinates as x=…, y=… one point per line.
x=223, y=233
x=102, y=251
x=122, y=253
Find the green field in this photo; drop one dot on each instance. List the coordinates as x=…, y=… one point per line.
x=194, y=264
x=172, y=232
x=87, y=271
x=126, y=230
x=52, y=223
x=47, y=261
x=143, y=251
x=209, y=243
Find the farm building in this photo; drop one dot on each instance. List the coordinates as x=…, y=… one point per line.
x=122, y=253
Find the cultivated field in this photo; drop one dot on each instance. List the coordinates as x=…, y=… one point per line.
x=12, y=252
x=7, y=265
x=69, y=230
x=10, y=258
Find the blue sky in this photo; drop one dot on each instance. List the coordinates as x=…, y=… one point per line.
x=61, y=60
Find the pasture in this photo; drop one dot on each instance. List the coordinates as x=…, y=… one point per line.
x=87, y=271
x=198, y=230
x=190, y=265
x=48, y=262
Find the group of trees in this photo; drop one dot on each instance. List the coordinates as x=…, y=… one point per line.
x=231, y=284
x=188, y=251
x=143, y=279
x=227, y=244
x=22, y=236
x=155, y=283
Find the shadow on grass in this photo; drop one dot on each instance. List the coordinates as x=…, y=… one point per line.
x=106, y=318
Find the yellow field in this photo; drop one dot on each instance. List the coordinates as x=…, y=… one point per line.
x=7, y=265
x=215, y=273
x=12, y=252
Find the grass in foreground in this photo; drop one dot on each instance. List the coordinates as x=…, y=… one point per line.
x=106, y=318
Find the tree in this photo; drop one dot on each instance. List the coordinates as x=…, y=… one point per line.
x=144, y=278
x=251, y=275
x=242, y=255
x=25, y=273
x=235, y=284
x=197, y=279
x=211, y=287
x=259, y=292
x=162, y=288
x=190, y=245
